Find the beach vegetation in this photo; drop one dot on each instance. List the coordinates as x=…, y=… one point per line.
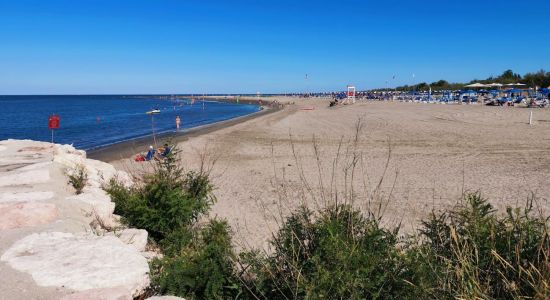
x=334, y=249
x=78, y=178
x=337, y=253
x=472, y=252
x=199, y=264
x=467, y=252
x=197, y=257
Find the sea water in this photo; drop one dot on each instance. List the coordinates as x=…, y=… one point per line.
x=90, y=122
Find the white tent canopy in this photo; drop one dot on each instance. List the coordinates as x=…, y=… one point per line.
x=476, y=85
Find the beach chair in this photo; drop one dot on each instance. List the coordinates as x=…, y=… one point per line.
x=503, y=100
x=518, y=100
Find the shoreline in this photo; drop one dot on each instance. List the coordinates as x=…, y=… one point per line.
x=127, y=149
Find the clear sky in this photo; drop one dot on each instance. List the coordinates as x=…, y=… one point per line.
x=238, y=46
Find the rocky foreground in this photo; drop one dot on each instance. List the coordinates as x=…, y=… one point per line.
x=55, y=244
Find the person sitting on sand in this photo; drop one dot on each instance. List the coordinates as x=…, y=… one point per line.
x=150, y=154
x=162, y=152
x=166, y=150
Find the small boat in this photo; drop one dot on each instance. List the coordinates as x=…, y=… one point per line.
x=154, y=111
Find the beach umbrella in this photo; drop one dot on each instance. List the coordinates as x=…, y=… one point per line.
x=476, y=85
x=494, y=85
x=468, y=92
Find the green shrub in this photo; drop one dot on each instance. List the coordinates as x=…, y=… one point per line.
x=78, y=177
x=339, y=254
x=197, y=260
x=471, y=252
x=168, y=200
x=468, y=252
x=203, y=269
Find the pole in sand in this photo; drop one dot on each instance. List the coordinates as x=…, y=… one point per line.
x=530, y=117
x=153, y=127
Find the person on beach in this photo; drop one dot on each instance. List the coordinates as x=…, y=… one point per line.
x=178, y=121
x=150, y=154
x=162, y=152
x=166, y=150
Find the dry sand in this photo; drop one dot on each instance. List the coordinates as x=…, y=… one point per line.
x=437, y=152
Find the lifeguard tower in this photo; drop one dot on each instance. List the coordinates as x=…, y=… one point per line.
x=350, y=99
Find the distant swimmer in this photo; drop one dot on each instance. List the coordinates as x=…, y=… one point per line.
x=178, y=122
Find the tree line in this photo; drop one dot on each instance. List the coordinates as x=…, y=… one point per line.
x=539, y=79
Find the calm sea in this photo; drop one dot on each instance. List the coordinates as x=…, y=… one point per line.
x=89, y=122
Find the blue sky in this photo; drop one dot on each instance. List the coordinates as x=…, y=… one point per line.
x=188, y=46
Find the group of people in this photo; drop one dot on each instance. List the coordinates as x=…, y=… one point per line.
x=154, y=154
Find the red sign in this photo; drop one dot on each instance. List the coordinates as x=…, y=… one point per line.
x=53, y=122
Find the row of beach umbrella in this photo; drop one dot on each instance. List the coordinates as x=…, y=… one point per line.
x=481, y=85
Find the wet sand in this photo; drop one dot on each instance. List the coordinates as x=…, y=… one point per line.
x=437, y=153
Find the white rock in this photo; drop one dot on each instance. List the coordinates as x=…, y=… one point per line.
x=36, y=166
x=69, y=160
x=132, y=236
x=99, y=172
x=68, y=156
x=18, y=161
x=23, y=214
x=99, y=204
x=27, y=177
x=24, y=143
x=92, y=197
x=25, y=196
x=68, y=149
x=118, y=293
x=97, y=192
x=79, y=262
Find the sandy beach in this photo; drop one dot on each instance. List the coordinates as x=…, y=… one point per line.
x=426, y=154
